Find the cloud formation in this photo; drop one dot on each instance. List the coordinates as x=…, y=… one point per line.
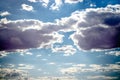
x=93, y=29
x=73, y=1
x=44, y=2
x=56, y=5
x=92, y=71
x=6, y=13
x=25, y=34
x=13, y=74
x=27, y=7
x=99, y=30
x=67, y=49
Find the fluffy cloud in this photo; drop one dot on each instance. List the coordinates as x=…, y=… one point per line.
x=93, y=29
x=25, y=34
x=27, y=7
x=73, y=1
x=99, y=30
x=67, y=49
x=6, y=13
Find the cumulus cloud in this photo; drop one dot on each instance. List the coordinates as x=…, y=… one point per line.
x=93, y=29
x=99, y=30
x=25, y=34
x=73, y=1
x=6, y=13
x=27, y=7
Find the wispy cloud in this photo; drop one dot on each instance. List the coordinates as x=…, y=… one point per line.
x=82, y=68
x=27, y=7
x=44, y=2
x=92, y=71
x=73, y=1
x=115, y=53
x=25, y=66
x=6, y=13
x=56, y=5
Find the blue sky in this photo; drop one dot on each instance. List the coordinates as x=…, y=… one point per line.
x=60, y=39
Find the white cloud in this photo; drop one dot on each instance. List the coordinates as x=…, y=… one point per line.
x=67, y=49
x=44, y=2
x=13, y=74
x=54, y=78
x=94, y=29
x=79, y=65
x=52, y=63
x=3, y=54
x=82, y=68
x=115, y=53
x=88, y=29
x=92, y=5
x=44, y=59
x=33, y=0
x=6, y=13
x=56, y=5
x=27, y=7
x=29, y=53
x=102, y=77
x=73, y=1
x=4, y=21
x=38, y=55
x=25, y=66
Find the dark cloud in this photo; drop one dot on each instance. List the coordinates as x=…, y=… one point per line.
x=17, y=39
x=13, y=36
x=100, y=30
x=95, y=29
x=98, y=38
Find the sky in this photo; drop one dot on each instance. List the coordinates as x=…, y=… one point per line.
x=60, y=39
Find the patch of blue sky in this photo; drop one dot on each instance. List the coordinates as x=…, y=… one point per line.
x=66, y=39
x=79, y=57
